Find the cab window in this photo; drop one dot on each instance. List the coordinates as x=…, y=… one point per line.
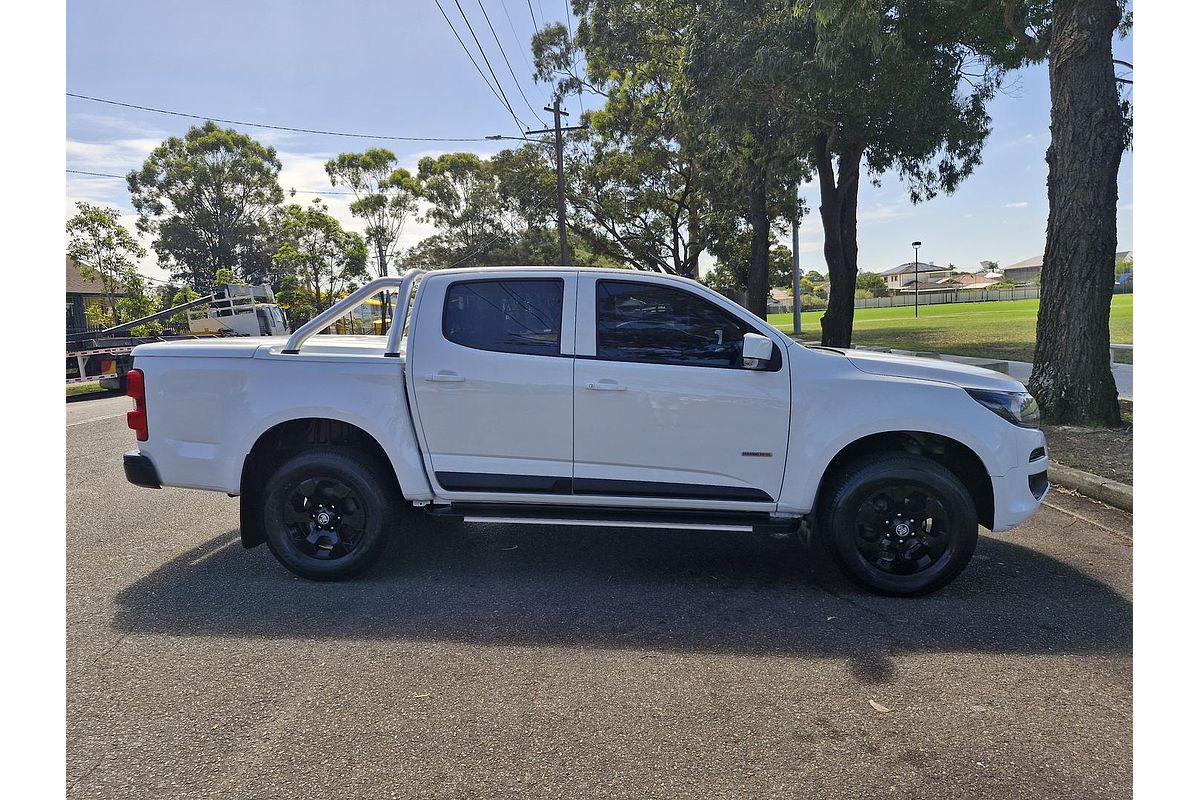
x=657, y=324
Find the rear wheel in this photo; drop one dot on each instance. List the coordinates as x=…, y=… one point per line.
x=899, y=524
x=327, y=514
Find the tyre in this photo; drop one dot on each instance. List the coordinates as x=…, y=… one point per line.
x=327, y=514
x=899, y=524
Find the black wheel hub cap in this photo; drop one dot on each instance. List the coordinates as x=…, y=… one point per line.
x=902, y=529
x=325, y=518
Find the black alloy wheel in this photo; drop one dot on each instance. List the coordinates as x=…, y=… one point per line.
x=898, y=524
x=325, y=518
x=328, y=513
x=902, y=529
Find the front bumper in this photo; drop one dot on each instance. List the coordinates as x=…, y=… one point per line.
x=1019, y=493
x=140, y=471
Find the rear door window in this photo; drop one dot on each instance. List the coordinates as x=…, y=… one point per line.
x=522, y=315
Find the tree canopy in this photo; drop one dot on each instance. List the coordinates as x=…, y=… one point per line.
x=385, y=197
x=317, y=261
x=104, y=250
x=206, y=198
x=491, y=211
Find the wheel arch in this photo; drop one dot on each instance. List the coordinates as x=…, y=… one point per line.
x=285, y=439
x=957, y=457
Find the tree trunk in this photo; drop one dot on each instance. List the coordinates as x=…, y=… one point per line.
x=839, y=221
x=692, y=248
x=1071, y=379
x=760, y=243
x=385, y=309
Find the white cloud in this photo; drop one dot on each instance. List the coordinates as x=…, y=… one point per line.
x=1020, y=204
x=885, y=212
x=118, y=156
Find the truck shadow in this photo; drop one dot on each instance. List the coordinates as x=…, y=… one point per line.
x=661, y=590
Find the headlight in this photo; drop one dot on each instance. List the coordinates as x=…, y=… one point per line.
x=1019, y=408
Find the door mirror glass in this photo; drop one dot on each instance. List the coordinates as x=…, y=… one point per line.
x=756, y=351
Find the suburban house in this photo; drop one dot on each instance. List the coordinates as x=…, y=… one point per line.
x=1022, y=272
x=900, y=278
x=780, y=301
x=81, y=293
x=970, y=282
x=1027, y=271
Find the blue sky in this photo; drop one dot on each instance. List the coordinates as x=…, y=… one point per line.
x=395, y=68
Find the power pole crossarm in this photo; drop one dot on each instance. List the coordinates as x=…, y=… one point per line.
x=558, y=130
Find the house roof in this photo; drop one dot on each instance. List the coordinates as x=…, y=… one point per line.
x=974, y=281
x=1036, y=261
x=921, y=267
x=925, y=286
x=77, y=284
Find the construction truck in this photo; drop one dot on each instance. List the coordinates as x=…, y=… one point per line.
x=233, y=310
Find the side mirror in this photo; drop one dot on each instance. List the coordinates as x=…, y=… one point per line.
x=756, y=351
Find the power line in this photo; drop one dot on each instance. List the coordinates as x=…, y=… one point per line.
x=486, y=61
x=122, y=177
x=521, y=50
x=467, y=50
x=574, y=49
x=276, y=127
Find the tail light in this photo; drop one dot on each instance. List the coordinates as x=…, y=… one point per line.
x=135, y=387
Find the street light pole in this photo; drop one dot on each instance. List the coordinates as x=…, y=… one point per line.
x=916, y=280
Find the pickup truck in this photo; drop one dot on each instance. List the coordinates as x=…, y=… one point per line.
x=573, y=396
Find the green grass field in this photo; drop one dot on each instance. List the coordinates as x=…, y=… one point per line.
x=83, y=388
x=1000, y=329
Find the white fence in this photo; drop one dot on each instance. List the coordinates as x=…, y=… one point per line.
x=932, y=297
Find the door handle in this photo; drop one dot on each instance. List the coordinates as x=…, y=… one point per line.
x=606, y=386
x=445, y=376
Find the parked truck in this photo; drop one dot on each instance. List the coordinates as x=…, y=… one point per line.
x=233, y=310
x=558, y=396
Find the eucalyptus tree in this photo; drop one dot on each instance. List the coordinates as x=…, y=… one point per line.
x=1089, y=129
x=385, y=197
x=634, y=183
x=742, y=60
x=317, y=257
x=104, y=250
x=207, y=199
x=889, y=87
x=488, y=211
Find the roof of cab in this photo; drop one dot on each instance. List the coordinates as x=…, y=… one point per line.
x=552, y=268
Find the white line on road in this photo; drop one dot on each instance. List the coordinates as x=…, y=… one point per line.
x=94, y=419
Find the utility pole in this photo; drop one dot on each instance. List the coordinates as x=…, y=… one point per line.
x=558, y=130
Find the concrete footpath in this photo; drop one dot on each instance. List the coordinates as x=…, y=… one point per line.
x=1021, y=370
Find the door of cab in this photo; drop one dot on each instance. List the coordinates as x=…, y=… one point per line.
x=490, y=369
x=663, y=408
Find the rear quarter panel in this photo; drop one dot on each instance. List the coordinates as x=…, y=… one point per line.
x=206, y=413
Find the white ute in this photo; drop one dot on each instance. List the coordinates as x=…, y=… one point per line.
x=538, y=395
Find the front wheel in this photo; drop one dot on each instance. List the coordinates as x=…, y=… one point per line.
x=899, y=524
x=326, y=515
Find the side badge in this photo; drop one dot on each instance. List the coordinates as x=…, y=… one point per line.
x=754, y=454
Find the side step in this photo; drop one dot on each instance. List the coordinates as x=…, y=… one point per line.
x=530, y=514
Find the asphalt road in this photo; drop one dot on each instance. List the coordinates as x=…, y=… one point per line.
x=484, y=661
